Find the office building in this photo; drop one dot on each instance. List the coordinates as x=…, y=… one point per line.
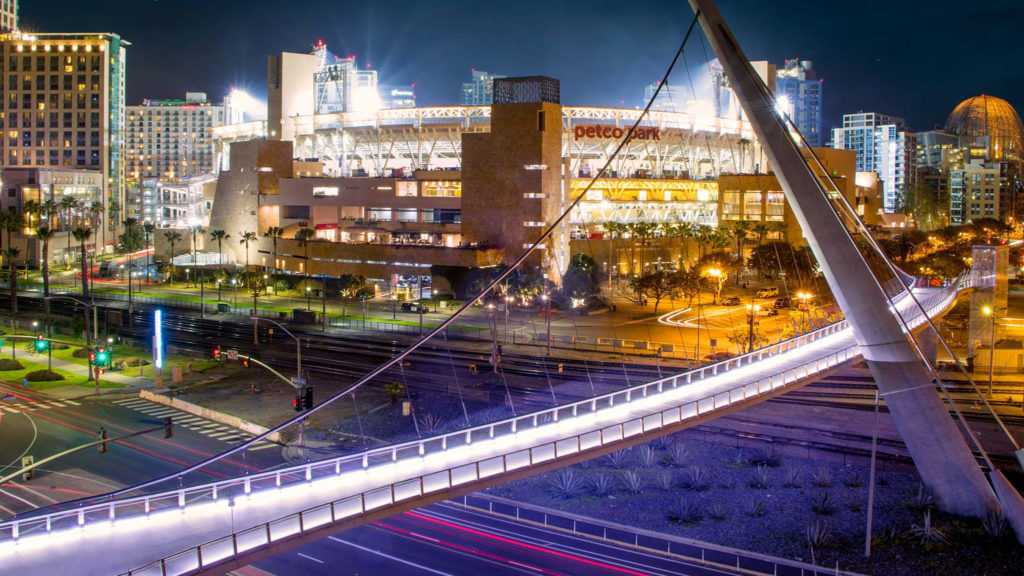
x=8, y=15
x=64, y=108
x=479, y=91
x=884, y=146
x=974, y=192
x=798, y=86
x=171, y=139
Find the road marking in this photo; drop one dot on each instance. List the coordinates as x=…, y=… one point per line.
x=262, y=446
x=73, y=403
x=11, y=410
x=396, y=559
x=310, y=558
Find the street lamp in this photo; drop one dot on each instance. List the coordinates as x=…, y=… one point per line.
x=308, y=290
x=508, y=302
x=266, y=286
x=752, y=310
x=805, y=306
x=218, y=288
x=494, y=337
x=547, y=319
x=987, y=311
x=394, y=307
x=234, y=283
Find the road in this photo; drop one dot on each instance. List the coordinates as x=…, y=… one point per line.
x=442, y=539
x=32, y=424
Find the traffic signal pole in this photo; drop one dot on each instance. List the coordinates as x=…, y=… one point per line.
x=167, y=427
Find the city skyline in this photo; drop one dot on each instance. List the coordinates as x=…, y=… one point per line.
x=604, y=59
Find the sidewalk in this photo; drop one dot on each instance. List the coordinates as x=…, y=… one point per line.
x=72, y=391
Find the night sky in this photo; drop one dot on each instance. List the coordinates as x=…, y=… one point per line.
x=910, y=58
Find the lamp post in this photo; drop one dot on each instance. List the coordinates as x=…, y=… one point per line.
x=547, y=320
x=234, y=283
x=494, y=336
x=752, y=310
x=218, y=288
x=805, y=306
x=987, y=311
x=266, y=285
x=308, y=290
x=394, y=307
x=323, y=302
x=508, y=302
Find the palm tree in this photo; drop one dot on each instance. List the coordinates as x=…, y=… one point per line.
x=148, y=228
x=172, y=236
x=83, y=234
x=220, y=236
x=305, y=236
x=68, y=205
x=11, y=254
x=96, y=220
x=129, y=244
x=45, y=233
x=11, y=221
x=247, y=238
x=274, y=233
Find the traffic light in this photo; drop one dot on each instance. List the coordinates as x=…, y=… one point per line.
x=216, y=353
x=92, y=358
x=307, y=399
x=168, y=427
x=41, y=343
x=102, y=356
x=102, y=448
x=297, y=403
x=245, y=362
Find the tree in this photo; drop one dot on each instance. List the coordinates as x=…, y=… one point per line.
x=525, y=285
x=640, y=232
x=12, y=254
x=82, y=234
x=658, y=285
x=44, y=234
x=716, y=267
x=96, y=220
x=351, y=286
x=247, y=238
x=131, y=241
x=172, y=236
x=685, y=231
x=305, y=236
x=582, y=279
x=68, y=205
x=220, y=236
x=689, y=284
x=274, y=233
x=741, y=337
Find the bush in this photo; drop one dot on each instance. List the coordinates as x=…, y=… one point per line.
x=394, y=391
x=6, y=364
x=683, y=512
x=136, y=362
x=81, y=353
x=43, y=376
x=565, y=484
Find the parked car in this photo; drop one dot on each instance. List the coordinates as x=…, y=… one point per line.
x=730, y=300
x=781, y=303
x=768, y=292
x=414, y=307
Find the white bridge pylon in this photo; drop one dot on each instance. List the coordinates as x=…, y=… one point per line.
x=213, y=528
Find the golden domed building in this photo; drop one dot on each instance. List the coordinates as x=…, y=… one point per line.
x=989, y=117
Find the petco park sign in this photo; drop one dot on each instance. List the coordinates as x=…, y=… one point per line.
x=616, y=133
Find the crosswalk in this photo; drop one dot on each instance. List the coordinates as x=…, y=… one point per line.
x=38, y=406
x=195, y=423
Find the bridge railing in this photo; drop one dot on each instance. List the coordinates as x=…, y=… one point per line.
x=603, y=426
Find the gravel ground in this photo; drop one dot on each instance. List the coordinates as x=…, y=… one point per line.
x=768, y=508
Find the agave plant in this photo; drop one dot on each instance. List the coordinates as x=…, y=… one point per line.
x=762, y=478
x=766, y=457
x=995, y=524
x=921, y=500
x=430, y=424
x=618, y=459
x=823, y=477
x=927, y=533
x=664, y=481
x=678, y=455
x=817, y=533
x=821, y=503
x=644, y=456
x=565, y=484
x=696, y=479
x=792, y=478
x=631, y=482
x=755, y=508
x=683, y=512
x=717, y=512
x=602, y=485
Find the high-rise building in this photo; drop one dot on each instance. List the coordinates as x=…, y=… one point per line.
x=170, y=139
x=480, y=91
x=974, y=192
x=64, y=107
x=884, y=146
x=797, y=84
x=8, y=15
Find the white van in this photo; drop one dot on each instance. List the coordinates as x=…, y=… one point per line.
x=767, y=292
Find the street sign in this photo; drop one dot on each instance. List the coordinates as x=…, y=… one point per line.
x=298, y=382
x=231, y=354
